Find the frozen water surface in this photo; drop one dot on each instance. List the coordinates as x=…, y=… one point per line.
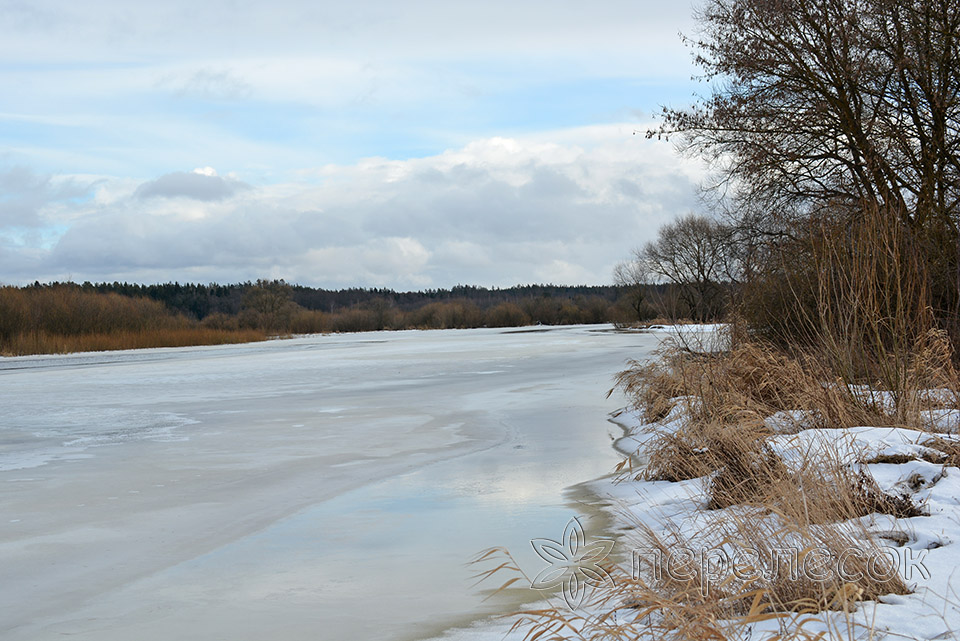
x=325, y=487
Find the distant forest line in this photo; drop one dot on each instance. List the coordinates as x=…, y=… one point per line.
x=67, y=317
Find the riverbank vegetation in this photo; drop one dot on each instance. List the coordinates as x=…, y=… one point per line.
x=67, y=317
x=60, y=319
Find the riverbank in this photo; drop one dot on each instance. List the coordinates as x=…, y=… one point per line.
x=810, y=524
x=903, y=548
x=835, y=516
x=588, y=500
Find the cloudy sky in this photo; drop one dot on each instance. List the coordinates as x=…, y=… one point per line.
x=411, y=145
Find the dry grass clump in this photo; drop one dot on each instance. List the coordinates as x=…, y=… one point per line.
x=868, y=498
x=742, y=469
x=834, y=494
x=747, y=384
x=697, y=450
x=741, y=466
x=807, y=569
x=949, y=450
x=654, y=385
x=750, y=477
x=725, y=401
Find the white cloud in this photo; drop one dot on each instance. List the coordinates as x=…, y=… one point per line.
x=200, y=184
x=497, y=211
x=24, y=194
x=327, y=121
x=137, y=90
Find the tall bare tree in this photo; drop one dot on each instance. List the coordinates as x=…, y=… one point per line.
x=821, y=110
x=818, y=103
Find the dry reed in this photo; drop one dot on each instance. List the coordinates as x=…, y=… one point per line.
x=46, y=343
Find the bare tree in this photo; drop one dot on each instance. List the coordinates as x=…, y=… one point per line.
x=382, y=311
x=631, y=275
x=821, y=111
x=693, y=253
x=822, y=103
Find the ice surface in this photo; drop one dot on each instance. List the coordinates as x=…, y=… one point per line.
x=322, y=487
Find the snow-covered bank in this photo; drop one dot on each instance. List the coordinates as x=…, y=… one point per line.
x=888, y=572
x=900, y=463
x=917, y=470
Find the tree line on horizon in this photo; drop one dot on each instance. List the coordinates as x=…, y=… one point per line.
x=201, y=300
x=63, y=317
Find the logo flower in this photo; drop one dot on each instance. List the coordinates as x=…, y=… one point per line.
x=573, y=563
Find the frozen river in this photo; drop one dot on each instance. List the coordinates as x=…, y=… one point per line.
x=326, y=487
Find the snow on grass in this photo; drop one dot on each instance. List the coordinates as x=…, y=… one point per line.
x=901, y=461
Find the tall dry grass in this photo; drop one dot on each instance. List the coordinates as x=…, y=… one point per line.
x=45, y=343
x=61, y=319
x=853, y=299
x=874, y=321
x=756, y=379
x=678, y=589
